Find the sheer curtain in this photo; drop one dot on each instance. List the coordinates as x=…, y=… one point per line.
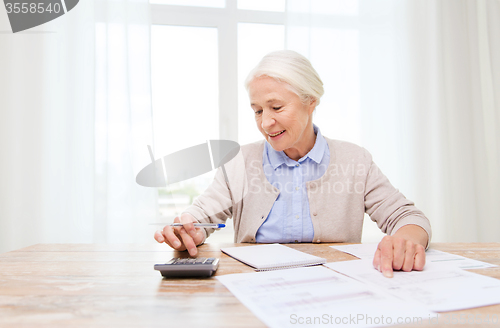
x=417, y=83
x=123, y=209
x=76, y=122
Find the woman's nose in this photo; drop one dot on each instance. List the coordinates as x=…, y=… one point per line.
x=267, y=120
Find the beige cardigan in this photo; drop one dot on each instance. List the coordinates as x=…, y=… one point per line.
x=351, y=186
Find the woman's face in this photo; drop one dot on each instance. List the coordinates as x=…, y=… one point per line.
x=281, y=117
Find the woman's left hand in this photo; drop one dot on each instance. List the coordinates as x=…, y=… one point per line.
x=404, y=250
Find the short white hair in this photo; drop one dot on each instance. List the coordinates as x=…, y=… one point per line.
x=292, y=68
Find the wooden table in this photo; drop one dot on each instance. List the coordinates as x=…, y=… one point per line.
x=109, y=285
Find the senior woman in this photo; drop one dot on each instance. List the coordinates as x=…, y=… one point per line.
x=299, y=186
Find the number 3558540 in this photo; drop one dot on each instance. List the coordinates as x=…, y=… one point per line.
x=32, y=7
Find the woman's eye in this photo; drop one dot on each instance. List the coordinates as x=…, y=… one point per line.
x=258, y=112
x=276, y=108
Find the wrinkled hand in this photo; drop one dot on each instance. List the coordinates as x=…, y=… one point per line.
x=182, y=238
x=398, y=253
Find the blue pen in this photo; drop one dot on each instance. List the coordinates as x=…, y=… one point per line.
x=202, y=225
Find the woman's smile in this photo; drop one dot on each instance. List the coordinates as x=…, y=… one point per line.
x=277, y=134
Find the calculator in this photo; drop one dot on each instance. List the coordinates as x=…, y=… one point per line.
x=188, y=267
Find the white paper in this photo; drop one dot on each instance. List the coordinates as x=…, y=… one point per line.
x=437, y=286
x=317, y=297
x=455, y=261
x=362, y=251
x=367, y=251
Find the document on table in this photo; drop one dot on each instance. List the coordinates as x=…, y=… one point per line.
x=318, y=296
x=362, y=251
x=452, y=260
x=437, y=287
x=367, y=251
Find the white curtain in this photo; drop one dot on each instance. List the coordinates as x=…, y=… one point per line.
x=124, y=210
x=75, y=124
x=417, y=83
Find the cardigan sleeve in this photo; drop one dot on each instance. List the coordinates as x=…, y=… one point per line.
x=388, y=207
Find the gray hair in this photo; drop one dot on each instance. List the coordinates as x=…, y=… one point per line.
x=292, y=68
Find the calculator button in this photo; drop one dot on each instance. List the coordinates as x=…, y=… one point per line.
x=200, y=260
x=209, y=261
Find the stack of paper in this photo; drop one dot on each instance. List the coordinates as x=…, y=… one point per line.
x=358, y=295
x=437, y=287
x=318, y=297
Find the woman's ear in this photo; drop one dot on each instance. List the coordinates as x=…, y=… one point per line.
x=312, y=105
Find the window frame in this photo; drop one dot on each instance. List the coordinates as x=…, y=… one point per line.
x=226, y=21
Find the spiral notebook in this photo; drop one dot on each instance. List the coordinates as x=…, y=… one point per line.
x=272, y=257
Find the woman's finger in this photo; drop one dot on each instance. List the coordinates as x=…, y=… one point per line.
x=159, y=236
x=171, y=238
x=409, y=256
x=188, y=224
x=386, y=256
x=188, y=241
x=399, y=250
x=419, y=258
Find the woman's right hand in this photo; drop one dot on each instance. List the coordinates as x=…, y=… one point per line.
x=184, y=237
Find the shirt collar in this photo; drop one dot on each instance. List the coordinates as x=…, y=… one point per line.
x=278, y=158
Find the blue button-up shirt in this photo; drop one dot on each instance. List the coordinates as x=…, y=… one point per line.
x=290, y=219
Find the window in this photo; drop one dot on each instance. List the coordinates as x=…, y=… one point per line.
x=185, y=102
